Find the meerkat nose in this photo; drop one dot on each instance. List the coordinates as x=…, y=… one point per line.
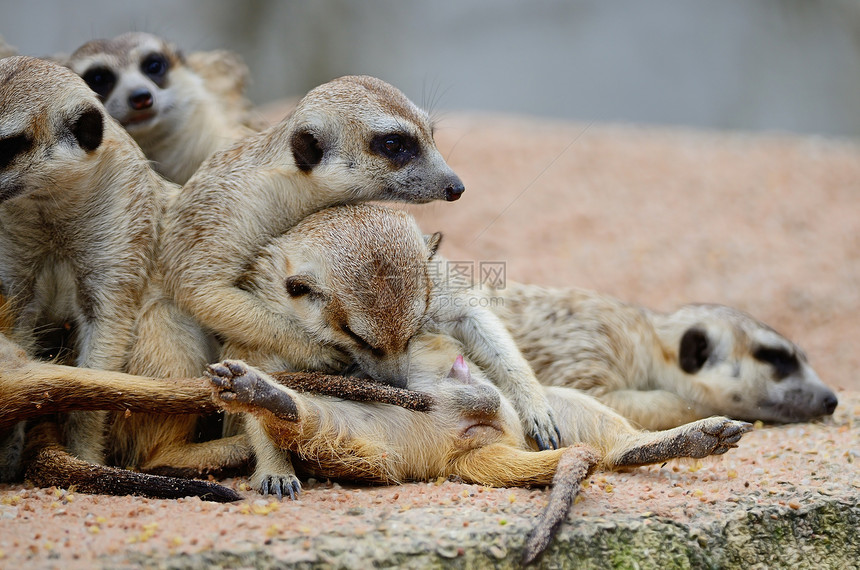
x=830, y=403
x=454, y=191
x=140, y=100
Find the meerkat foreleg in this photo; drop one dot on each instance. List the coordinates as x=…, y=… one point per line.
x=489, y=345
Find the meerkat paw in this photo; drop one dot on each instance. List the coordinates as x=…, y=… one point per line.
x=714, y=436
x=239, y=387
x=540, y=425
x=711, y=436
x=278, y=485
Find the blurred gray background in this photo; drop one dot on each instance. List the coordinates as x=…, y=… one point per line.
x=785, y=65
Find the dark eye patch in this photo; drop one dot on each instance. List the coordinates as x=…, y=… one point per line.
x=784, y=362
x=11, y=147
x=155, y=66
x=399, y=148
x=101, y=80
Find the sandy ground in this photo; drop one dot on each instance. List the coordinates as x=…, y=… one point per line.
x=656, y=216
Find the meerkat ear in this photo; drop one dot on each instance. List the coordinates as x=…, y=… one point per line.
x=694, y=350
x=298, y=285
x=88, y=129
x=307, y=150
x=433, y=241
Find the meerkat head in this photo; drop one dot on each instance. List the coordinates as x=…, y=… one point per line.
x=361, y=136
x=753, y=372
x=138, y=77
x=470, y=405
x=354, y=277
x=52, y=128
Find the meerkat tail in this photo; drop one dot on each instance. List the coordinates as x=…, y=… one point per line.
x=575, y=465
x=48, y=464
x=35, y=389
x=356, y=389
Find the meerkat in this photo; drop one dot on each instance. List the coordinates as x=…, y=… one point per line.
x=352, y=139
x=472, y=431
x=663, y=370
x=179, y=109
x=79, y=211
x=79, y=231
x=357, y=278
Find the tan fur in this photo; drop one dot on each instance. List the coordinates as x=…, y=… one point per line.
x=472, y=432
x=350, y=140
x=79, y=233
x=196, y=104
x=366, y=290
x=350, y=262
x=629, y=358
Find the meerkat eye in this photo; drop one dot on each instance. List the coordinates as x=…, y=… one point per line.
x=360, y=341
x=396, y=147
x=784, y=362
x=155, y=66
x=297, y=287
x=101, y=80
x=10, y=147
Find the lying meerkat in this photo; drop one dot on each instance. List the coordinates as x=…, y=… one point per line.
x=472, y=431
x=357, y=278
x=663, y=370
x=179, y=110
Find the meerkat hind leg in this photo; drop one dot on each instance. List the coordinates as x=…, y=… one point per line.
x=710, y=436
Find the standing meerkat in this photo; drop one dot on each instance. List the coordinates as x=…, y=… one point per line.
x=179, y=109
x=79, y=209
x=78, y=244
x=353, y=139
x=663, y=370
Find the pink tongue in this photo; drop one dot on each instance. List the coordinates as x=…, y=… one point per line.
x=460, y=371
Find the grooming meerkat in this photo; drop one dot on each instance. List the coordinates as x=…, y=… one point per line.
x=357, y=278
x=663, y=370
x=353, y=139
x=179, y=110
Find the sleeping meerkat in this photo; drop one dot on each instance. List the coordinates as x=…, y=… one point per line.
x=357, y=278
x=472, y=431
x=179, y=110
x=662, y=370
x=353, y=139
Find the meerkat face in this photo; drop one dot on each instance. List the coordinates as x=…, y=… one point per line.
x=355, y=278
x=468, y=404
x=135, y=75
x=361, y=136
x=52, y=129
x=751, y=370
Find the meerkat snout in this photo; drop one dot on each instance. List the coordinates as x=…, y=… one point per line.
x=454, y=191
x=140, y=99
